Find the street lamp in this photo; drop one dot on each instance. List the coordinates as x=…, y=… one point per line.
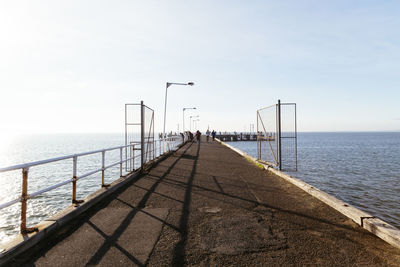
x=183, y=128
x=165, y=106
x=191, y=121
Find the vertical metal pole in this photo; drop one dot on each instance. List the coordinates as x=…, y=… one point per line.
x=295, y=130
x=142, y=131
x=132, y=161
x=154, y=142
x=154, y=149
x=258, y=140
x=279, y=136
x=103, y=155
x=165, y=108
x=24, y=199
x=120, y=162
x=126, y=139
x=74, y=177
x=183, y=121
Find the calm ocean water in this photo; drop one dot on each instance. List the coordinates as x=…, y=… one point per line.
x=30, y=148
x=362, y=169
x=359, y=168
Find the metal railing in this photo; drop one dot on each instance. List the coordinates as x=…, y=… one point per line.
x=173, y=142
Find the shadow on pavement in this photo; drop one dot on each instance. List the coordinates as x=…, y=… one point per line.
x=179, y=250
x=111, y=241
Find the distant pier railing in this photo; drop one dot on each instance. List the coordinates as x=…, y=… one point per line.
x=244, y=136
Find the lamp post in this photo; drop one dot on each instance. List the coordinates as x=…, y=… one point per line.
x=191, y=121
x=183, y=128
x=168, y=84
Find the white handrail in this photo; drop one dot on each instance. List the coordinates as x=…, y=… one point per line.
x=25, y=170
x=41, y=162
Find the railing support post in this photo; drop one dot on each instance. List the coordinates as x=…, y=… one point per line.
x=120, y=162
x=258, y=142
x=24, y=199
x=24, y=202
x=133, y=157
x=279, y=136
x=74, y=160
x=103, y=163
x=142, y=135
x=75, y=178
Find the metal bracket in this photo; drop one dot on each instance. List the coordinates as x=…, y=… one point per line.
x=30, y=230
x=363, y=218
x=77, y=202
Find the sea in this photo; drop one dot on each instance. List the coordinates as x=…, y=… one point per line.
x=360, y=168
x=29, y=148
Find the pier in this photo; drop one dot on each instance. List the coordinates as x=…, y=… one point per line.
x=243, y=136
x=207, y=205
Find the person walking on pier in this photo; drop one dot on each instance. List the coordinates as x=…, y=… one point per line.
x=207, y=135
x=213, y=134
x=198, y=135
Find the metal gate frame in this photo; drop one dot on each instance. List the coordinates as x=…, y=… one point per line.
x=278, y=134
x=147, y=141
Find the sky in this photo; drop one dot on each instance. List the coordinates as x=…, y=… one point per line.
x=70, y=66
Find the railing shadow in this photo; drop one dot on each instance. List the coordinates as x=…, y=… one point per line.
x=111, y=241
x=179, y=250
x=29, y=258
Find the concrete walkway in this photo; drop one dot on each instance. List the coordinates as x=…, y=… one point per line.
x=207, y=206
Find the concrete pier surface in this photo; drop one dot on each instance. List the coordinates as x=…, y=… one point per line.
x=208, y=206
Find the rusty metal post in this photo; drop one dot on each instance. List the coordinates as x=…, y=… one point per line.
x=103, y=156
x=24, y=199
x=24, y=203
x=74, y=177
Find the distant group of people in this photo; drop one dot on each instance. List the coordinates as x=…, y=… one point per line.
x=208, y=133
x=197, y=135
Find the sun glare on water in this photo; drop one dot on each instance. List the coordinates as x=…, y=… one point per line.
x=6, y=140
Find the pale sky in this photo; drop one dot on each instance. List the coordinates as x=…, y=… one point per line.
x=70, y=66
